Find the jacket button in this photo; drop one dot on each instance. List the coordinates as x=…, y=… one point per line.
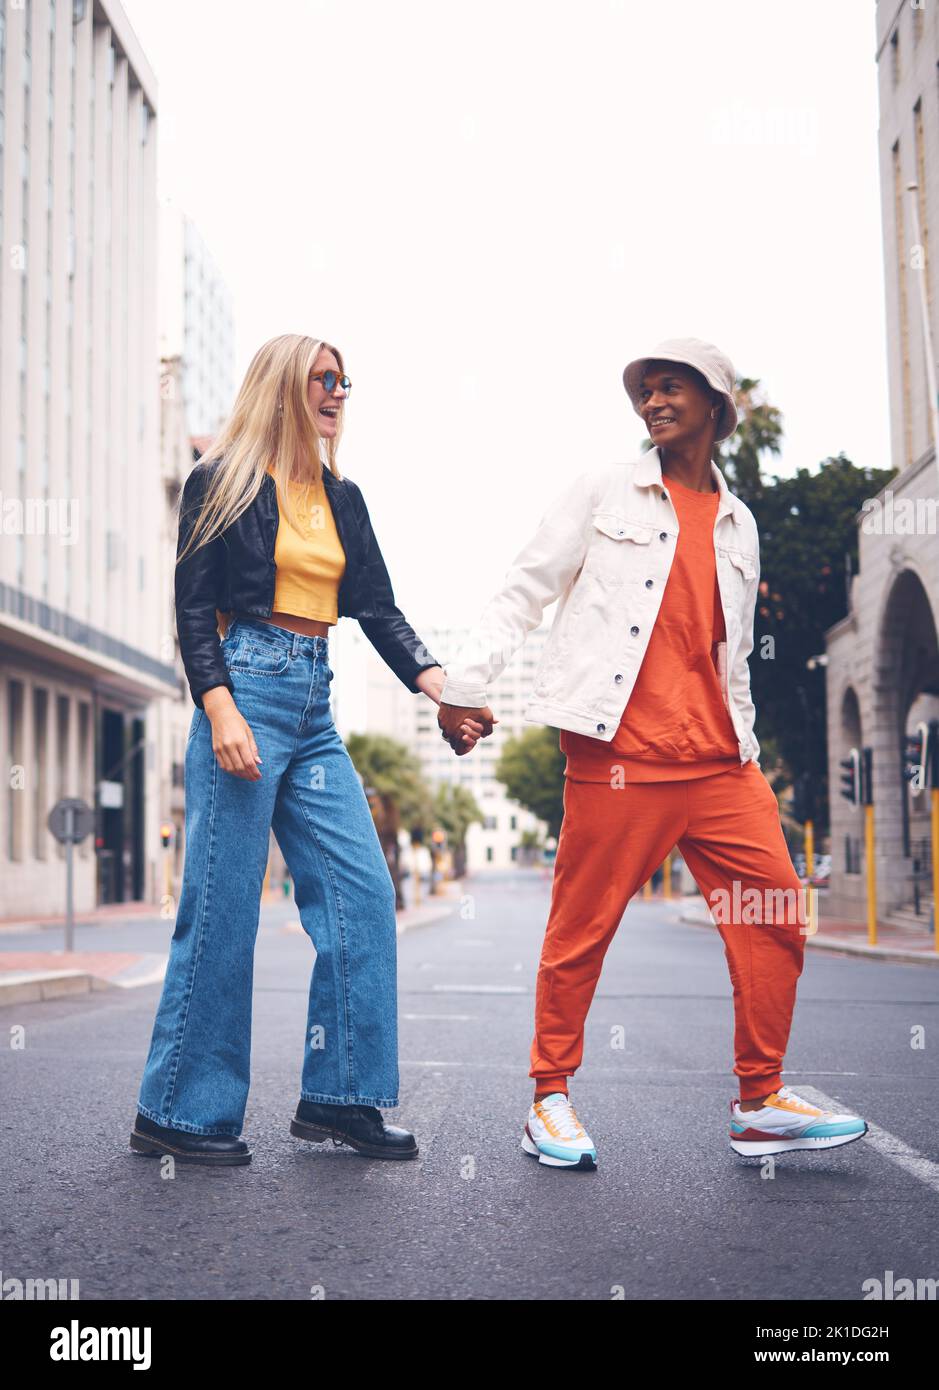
x=617, y=678
x=648, y=583
x=634, y=631
x=663, y=535
x=601, y=728
x=664, y=496
x=619, y=533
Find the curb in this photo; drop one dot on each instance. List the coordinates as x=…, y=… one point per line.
x=30, y=988
x=432, y=909
x=832, y=943
x=33, y=986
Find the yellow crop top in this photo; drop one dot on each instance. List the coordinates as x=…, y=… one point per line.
x=309, y=567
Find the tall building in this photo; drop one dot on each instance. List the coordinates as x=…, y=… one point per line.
x=196, y=321
x=883, y=657
x=86, y=642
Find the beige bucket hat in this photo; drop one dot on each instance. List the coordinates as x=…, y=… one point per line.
x=714, y=365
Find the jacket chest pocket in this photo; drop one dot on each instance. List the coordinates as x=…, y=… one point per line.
x=617, y=544
x=738, y=569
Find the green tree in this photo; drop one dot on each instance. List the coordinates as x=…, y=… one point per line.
x=808, y=553
x=456, y=809
x=399, y=794
x=759, y=431
x=531, y=768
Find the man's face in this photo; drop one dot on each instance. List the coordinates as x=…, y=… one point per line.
x=673, y=405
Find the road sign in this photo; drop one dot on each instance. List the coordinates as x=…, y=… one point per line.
x=70, y=821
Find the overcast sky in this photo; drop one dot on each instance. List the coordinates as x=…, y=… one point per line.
x=492, y=207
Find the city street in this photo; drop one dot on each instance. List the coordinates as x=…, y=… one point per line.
x=671, y=1212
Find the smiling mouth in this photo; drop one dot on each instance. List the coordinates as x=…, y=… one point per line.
x=657, y=424
x=331, y=413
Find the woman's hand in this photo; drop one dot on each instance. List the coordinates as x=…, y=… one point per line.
x=232, y=740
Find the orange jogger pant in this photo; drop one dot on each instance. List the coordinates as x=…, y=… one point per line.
x=612, y=839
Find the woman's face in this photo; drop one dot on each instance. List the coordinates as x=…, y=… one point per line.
x=321, y=401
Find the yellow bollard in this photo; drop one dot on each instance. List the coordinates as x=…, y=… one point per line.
x=935, y=866
x=809, y=849
x=667, y=878
x=871, y=876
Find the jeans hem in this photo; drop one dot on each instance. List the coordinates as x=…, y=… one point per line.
x=379, y=1102
x=183, y=1125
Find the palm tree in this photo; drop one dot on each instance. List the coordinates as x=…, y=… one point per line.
x=456, y=810
x=396, y=790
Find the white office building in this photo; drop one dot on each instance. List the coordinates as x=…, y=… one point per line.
x=86, y=644
x=196, y=321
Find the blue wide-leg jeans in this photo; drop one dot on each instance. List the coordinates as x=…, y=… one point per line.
x=197, y=1072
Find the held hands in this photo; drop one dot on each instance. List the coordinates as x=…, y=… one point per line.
x=462, y=726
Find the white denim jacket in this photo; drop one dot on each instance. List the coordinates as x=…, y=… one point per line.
x=605, y=548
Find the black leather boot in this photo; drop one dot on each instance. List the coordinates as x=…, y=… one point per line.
x=219, y=1150
x=360, y=1126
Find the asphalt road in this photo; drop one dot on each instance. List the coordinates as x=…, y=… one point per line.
x=670, y=1212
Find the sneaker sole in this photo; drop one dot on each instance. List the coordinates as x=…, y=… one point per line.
x=757, y=1148
x=318, y=1134
x=585, y=1162
x=153, y=1148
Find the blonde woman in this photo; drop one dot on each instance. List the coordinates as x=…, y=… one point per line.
x=275, y=546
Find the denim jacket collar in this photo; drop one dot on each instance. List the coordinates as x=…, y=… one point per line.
x=648, y=472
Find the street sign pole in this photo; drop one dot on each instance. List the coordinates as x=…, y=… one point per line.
x=70, y=821
x=69, y=880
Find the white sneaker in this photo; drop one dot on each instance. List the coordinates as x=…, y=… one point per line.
x=787, y=1121
x=555, y=1135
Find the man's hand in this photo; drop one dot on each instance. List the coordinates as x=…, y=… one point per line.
x=463, y=725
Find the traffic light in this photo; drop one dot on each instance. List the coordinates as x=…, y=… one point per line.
x=851, y=777
x=165, y=833
x=916, y=757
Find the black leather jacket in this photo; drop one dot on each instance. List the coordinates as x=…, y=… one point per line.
x=235, y=572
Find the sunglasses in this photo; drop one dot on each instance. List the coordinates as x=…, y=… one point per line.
x=329, y=380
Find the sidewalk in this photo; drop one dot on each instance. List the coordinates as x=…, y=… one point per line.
x=27, y=977
x=847, y=938
x=101, y=916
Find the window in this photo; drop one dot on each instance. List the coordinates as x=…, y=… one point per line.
x=16, y=788
x=85, y=786
x=62, y=749
x=40, y=764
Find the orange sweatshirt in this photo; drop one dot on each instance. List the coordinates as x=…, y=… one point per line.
x=675, y=724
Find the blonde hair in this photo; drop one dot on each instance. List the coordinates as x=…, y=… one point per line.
x=271, y=423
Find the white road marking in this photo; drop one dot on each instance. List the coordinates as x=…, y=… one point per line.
x=480, y=989
x=886, y=1144
x=460, y=1018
